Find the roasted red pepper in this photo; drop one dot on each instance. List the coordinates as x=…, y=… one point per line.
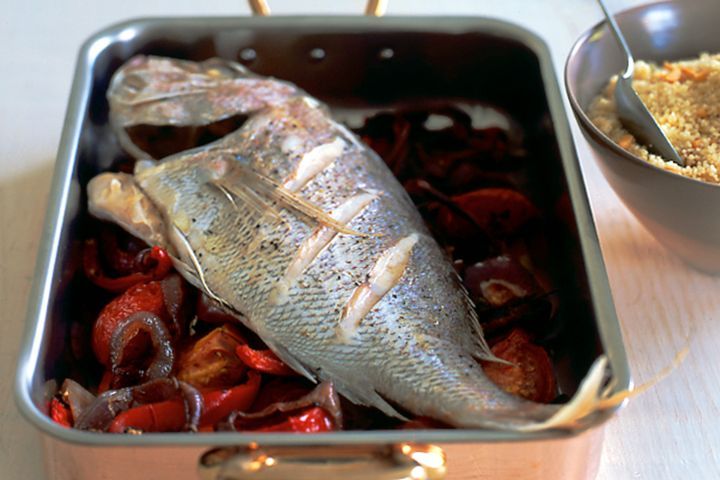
x=264, y=361
x=60, y=413
x=220, y=403
x=145, y=297
x=310, y=420
x=156, y=264
x=169, y=416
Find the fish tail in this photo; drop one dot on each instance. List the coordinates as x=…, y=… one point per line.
x=592, y=398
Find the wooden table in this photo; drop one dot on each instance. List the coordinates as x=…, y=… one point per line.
x=672, y=431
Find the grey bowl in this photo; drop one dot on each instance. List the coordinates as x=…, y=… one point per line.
x=683, y=214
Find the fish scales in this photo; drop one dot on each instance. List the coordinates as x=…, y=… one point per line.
x=380, y=312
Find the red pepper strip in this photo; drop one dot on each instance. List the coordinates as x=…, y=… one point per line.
x=310, y=420
x=60, y=413
x=105, y=382
x=264, y=361
x=220, y=403
x=158, y=260
x=169, y=416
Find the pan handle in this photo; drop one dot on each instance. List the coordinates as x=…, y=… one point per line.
x=373, y=8
x=403, y=461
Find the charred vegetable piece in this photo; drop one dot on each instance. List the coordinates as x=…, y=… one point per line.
x=264, y=361
x=211, y=362
x=531, y=374
x=155, y=264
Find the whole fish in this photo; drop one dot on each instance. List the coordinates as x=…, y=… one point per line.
x=292, y=223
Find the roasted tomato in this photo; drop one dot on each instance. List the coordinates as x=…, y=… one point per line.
x=211, y=362
x=499, y=212
x=531, y=374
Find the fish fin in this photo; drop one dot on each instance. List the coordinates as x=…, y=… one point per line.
x=587, y=401
x=480, y=349
x=248, y=196
x=159, y=97
x=263, y=185
x=360, y=393
x=596, y=394
x=291, y=361
x=166, y=91
x=194, y=274
x=117, y=197
x=194, y=268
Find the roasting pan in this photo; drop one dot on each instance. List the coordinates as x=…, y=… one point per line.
x=356, y=65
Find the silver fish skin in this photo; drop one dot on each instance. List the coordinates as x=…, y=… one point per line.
x=292, y=222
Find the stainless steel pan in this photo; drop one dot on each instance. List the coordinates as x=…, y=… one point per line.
x=355, y=64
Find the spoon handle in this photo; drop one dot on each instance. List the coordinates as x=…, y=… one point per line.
x=620, y=39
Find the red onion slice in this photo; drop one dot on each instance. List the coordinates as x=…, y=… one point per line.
x=161, y=363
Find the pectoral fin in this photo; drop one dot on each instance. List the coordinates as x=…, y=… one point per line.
x=117, y=198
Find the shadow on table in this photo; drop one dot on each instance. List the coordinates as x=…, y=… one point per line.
x=23, y=200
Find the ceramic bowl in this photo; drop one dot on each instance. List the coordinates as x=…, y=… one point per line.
x=681, y=213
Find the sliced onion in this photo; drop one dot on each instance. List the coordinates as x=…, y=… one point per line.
x=76, y=396
x=162, y=361
x=174, y=296
x=100, y=413
x=194, y=405
x=324, y=396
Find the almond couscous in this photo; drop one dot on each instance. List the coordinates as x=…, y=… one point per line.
x=684, y=98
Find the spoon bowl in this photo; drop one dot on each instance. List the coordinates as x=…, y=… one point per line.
x=631, y=110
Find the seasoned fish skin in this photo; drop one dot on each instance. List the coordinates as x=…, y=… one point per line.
x=414, y=349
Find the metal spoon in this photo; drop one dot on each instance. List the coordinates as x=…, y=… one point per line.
x=631, y=110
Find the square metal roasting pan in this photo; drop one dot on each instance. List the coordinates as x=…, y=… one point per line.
x=473, y=60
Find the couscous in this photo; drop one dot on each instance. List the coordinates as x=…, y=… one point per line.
x=684, y=98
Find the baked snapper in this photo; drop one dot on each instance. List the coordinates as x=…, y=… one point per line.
x=301, y=230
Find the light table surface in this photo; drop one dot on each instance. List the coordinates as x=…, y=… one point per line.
x=672, y=431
